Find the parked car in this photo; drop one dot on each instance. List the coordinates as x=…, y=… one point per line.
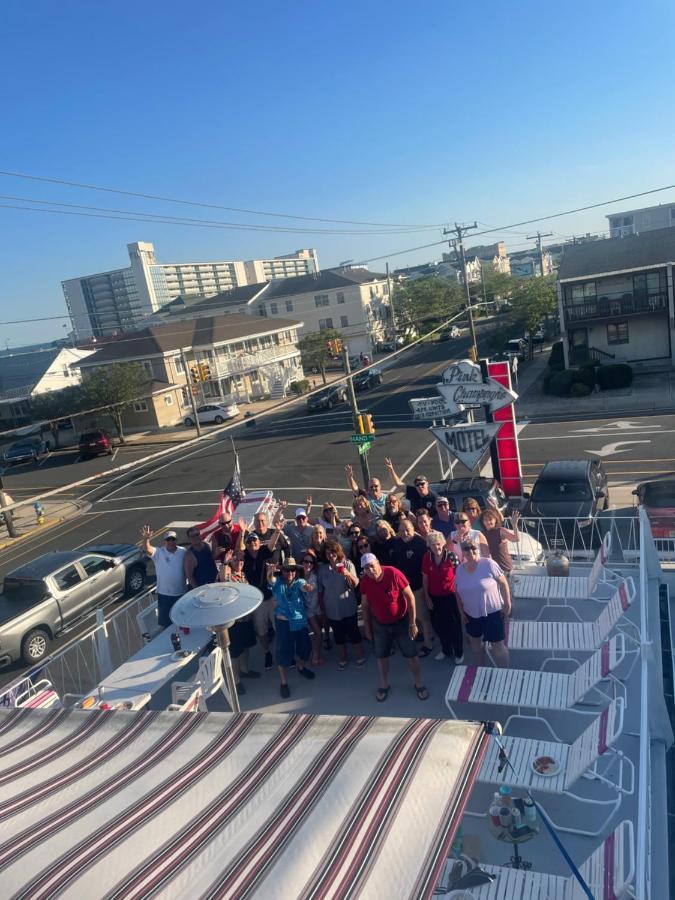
x=565, y=499
x=95, y=442
x=328, y=398
x=26, y=450
x=658, y=499
x=47, y=596
x=450, y=334
x=517, y=347
x=390, y=346
x=367, y=380
x=210, y=413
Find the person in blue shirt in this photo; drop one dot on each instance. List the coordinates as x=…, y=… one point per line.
x=293, y=643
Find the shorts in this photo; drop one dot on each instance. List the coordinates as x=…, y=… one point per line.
x=263, y=617
x=164, y=604
x=345, y=630
x=422, y=612
x=242, y=637
x=386, y=635
x=291, y=644
x=490, y=628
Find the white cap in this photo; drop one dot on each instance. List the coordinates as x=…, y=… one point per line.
x=300, y=511
x=367, y=558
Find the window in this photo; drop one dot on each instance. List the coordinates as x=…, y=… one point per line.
x=66, y=371
x=178, y=363
x=147, y=365
x=94, y=564
x=617, y=333
x=320, y=300
x=274, y=309
x=344, y=322
x=325, y=323
x=262, y=310
x=340, y=297
x=583, y=292
x=289, y=306
x=140, y=406
x=168, y=400
x=647, y=283
x=67, y=578
x=184, y=397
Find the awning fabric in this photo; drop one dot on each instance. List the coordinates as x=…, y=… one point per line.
x=124, y=804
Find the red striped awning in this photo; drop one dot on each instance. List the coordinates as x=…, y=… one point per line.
x=134, y=805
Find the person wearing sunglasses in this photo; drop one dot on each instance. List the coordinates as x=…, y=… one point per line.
x=373, y=492
x=310, y=572
x=169, y=562
x=337, y=583
x=464, y=532
x=330, y=519
x=362, y=547
x=443, y=521
x=418, y=494
x=484, y=602
x=471, y=507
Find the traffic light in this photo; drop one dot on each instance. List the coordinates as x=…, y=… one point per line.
x=361, y=424
x=334, y=346
x=205, y=371
x=194, y=371
x=473, y=354
x=368, y=427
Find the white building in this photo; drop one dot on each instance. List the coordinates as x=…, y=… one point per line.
x=119, y=300
x=635, y=221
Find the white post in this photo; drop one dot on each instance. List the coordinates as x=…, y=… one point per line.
x=438, y=451
x=102, y=646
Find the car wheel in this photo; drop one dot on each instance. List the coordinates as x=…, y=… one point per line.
x=134, y=581
x=188, y=422
x=219, y=420
x=35, y=646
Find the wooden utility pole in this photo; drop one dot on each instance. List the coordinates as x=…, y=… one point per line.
x=390, y=288
x=459, y=232
x=363, y=457
x=189, y=387
x=7, y=514
x=537, y=237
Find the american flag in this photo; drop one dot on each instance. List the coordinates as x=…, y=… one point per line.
x=232, y=495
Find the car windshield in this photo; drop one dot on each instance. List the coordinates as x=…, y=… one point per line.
x=19, y=448
x=560, y=491
x=659, y=494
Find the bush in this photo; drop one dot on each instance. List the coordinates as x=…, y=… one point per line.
x=561, y=382
x=616, y=375
x=300, y=387
x=557, y=358
x=590, y=364
x=586, y=376
x=580, y=389
x=548, y=375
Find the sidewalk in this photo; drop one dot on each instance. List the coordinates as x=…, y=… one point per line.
x=55, y=511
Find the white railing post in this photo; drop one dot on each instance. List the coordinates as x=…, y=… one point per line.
x=102, y=646
x=642, y=881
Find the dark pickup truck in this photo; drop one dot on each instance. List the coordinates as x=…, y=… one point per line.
x=49, y=595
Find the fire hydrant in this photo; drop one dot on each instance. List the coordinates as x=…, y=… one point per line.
x=39, y=512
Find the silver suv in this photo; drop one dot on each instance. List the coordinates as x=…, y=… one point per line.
x=49, y=595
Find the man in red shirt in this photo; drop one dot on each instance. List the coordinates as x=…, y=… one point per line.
x=227, y=536
x=388, y=605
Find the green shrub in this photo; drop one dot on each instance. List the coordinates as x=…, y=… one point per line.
x=590, y=364
x=616, y=375
x=557, y=358
x=300, y=387
x=561, y=382
x=586, y=376
x=580, y=389
x=548, y=375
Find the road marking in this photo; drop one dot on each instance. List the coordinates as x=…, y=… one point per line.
x=45, y=459
x=115, y=452
x=91, y=540
x=611, y=449
x=6, y=555
x=621, y=425
x=565, y=437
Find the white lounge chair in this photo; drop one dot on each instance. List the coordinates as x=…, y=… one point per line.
x=571, y=636
x=608, y=872
x=575, y=587
x=148, y=624
x=575, y=760
x=41, y=695
x=209, y=679
x=184, y=701
x=535, y=689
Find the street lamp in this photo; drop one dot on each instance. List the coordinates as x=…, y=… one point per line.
x=217, y=607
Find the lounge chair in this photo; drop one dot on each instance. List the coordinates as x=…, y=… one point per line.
x=575, y=587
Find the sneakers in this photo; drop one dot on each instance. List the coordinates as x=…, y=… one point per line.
x=306, y=673
x=285, y=691
x=269, y=662
x=440, y=656
x=241, y=689
x=459, y=660
x=250, y=674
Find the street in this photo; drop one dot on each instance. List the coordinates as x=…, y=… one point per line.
x=296, y=455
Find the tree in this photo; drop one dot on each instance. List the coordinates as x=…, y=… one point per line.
x=314, y=349
x=114, y=389
x=52, y=406
x=424, y=304
x=532, y=300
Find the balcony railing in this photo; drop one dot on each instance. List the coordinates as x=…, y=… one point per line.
x=615, y=306
x=247, y=362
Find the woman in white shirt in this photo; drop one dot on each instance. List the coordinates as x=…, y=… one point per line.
x=464, y=532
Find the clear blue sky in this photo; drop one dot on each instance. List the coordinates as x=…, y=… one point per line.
x=379, y=111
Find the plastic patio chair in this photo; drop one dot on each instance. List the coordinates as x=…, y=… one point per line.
x=210, y=679
x=185, y=700
x=148, y=624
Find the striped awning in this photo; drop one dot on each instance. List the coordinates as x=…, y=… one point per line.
x=137, y=805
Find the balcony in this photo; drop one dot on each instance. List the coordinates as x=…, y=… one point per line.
x=615, y=306
x=248, y=362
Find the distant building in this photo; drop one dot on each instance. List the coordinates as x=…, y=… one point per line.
x=526, y=263
x=616, y=300
x=428, y=270
x=637, y=221
x=119, y=300
x=493, y=255
x=354, y=301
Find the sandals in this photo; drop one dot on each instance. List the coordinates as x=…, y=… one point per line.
x=382, y=694
x=342, y=665
x=360, y=662
x=425, y=651
x=422, y=692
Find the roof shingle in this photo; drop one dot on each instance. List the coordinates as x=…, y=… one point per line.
x=637, y=251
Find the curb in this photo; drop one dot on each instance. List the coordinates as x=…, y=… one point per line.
x=589, y=414
x=47, y=525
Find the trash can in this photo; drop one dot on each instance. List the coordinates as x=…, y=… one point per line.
x=558, y=565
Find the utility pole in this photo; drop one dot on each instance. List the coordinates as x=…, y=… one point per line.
x=7, y=514
x=363, y=457
x=459, y=232
x=537, y=237
x=391, y=306
x=192, y=396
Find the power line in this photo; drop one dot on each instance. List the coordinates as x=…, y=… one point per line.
x=253, y=212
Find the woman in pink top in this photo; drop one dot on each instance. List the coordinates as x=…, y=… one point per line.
x=484, y=602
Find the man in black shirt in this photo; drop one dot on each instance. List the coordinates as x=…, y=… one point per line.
x=417, y=494
x=255, y=558
x=407, y=554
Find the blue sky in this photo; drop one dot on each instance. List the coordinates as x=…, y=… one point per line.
x=377, y=111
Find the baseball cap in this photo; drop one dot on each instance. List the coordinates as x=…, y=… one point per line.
x=170, y=534
x=300, y=512
x=252, y=536
x=367, y=559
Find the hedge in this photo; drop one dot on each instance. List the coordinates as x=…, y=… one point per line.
x=580, y=389
x=586, y=376
x=557, y=358
x=616, y=375
x=300, y=387
x=561, y=382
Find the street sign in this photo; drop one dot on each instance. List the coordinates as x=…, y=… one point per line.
x=467, y=442
x=463, y=386
x=365, y=447
x=429, y=408
x=362, y=438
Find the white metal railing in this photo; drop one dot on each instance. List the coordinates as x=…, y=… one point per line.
x=246, y=362
x=580, y=539
x=79, y=666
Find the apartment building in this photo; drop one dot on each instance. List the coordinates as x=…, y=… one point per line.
x=616, y=300
x=492, y=255
x=247, y=358
x=120, y=299
x=527, y=263
x=354, y=301
x=636, y=221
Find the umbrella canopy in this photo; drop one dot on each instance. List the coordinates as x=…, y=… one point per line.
x=215, y=604
x=121, y=804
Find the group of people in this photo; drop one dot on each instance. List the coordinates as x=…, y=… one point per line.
x=419, y=573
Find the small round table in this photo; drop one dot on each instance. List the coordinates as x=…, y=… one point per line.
x=504, y=834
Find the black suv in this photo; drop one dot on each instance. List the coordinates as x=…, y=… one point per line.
x=565, y=499
x=368, y=379
x=328, y=398
x=458, y=489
